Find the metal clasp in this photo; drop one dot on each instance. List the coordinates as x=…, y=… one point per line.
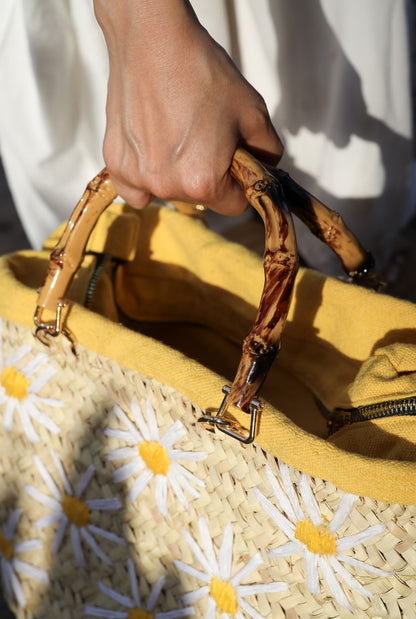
x=231, y=426
x=52, y=328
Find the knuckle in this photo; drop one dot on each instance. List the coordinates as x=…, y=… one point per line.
x=201, y=185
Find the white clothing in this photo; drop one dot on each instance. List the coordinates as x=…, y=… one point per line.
x=335, y=77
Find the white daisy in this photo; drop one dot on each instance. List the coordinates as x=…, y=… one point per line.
x=225, y=592
x=19, y=390
x=10, y=563
x=310, y=533
x=151, y=456
x=67, y=508
x=134, y=604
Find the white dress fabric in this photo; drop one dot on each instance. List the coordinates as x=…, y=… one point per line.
x=335, y=77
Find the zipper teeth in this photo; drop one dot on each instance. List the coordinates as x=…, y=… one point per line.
x=93, y=281
x=390, y=408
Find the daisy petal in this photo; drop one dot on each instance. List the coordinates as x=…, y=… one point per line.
x=122, y=453
x=312, y=575
x=8, y=414
x=95, y=547
x=211, y=610
x=333, y=584
x=191, y=456
x=35, y=364
x=49, y=519
x=17, y=589
x=289, y=502
x=348, y=578
x=30, y=431
x=154, y=595
x=286, y=549
x=59, y=467
x=140, y=484
x=344, y=509
x=349, y=541
x=161, y=494
x=139, y=419
x=173, y=434
x=133, y=583
x=368, y=568
x=109, y=504
x=281, y=521
x=45, y=499
x=12, y=523
x=42, y=418
x=225, y=554
x=76, y=545
x=183, y=472
x=208, y=561
x=47, y=478
x=123, y=600
x=112, y=537
x=31, y=571
x=59, y=535
x=41, y=380
x=194, y=596
x=128, y=470
x=85, y=479
x=192, y=571
x=92, y=611
x=270, y=587
x=126, y=421
x=151, y=421
x=176, y=487
x=28, y=545
x=17, y=355
x=311, y=504
x=247, y=569
x=176, y=614
x=7, y=570
x=249, y=609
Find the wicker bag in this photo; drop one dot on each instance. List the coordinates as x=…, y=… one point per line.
x=116, y=502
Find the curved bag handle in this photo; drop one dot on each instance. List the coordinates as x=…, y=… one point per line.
x=267, y=191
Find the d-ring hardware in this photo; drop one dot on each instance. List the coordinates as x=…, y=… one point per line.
x=231, y=426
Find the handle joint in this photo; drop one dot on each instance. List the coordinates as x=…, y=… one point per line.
x=52, y=328
x=231, y=426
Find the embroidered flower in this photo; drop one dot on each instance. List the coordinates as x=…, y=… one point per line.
x=68, y=508
x=10, y=563
x=310, y=533
x=226, y=594
x=151, y=456
x=134, y=604
x=19, y=390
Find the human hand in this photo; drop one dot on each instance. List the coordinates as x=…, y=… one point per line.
x=177, y=108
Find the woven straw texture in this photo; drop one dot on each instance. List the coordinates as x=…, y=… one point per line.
x=124, y=487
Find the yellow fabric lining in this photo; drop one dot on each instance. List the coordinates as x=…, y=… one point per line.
x=343, y=345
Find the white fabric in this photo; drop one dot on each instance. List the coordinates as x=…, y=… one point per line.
x=335, y=77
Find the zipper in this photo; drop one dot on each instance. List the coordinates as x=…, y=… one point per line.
x=99, y=266
x=380, y=410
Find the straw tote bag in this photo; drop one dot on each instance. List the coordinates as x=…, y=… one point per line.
x=133, y=487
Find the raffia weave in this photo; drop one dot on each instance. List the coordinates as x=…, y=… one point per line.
x=89, y=387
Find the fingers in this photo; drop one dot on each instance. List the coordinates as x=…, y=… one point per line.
x=259, y=136
x=137, y=198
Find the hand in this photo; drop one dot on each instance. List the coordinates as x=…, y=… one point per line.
x=177, y=108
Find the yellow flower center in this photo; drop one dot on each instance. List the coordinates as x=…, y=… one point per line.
x=6, y=548
x=14, y=383
x=318, y=540
x=224, y=595
x=139, y=613
x=75, y=510
x=155, y=457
